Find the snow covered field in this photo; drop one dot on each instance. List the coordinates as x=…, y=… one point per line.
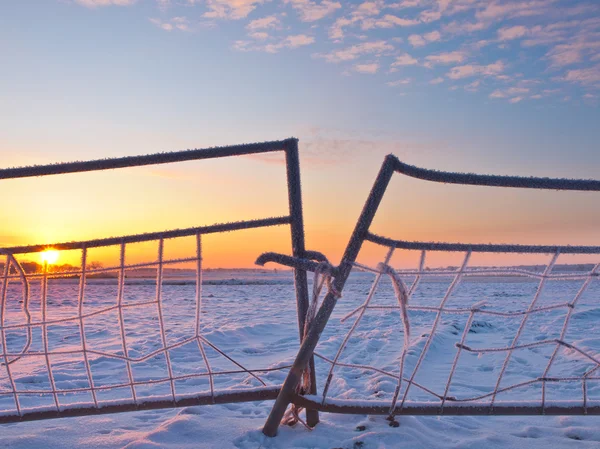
x=252, y=317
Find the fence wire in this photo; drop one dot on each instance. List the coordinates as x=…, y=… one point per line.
x=440, y=397
x=36, y=333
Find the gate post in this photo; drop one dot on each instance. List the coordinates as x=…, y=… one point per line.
x=292, y=161
x=305, y=354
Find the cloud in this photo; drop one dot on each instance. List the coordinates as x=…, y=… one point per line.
x=417, y=40
x=409, y=4
x=366, y=68
x=588, y=76
x=96, y=3
x=263, y=23
x=510, y=33
x=355, y=51
x=311, y=11
x=399, y=82
x=336, y=31
x=458, y=28
x=437, y=80
x=369, y=8
x=565, y=31
x=510, y=92
x=495, y=10
x=230, y=9
x=452, y=57
x=298, y=40
x=388, y=21
x=291, y=42
x=473, y=87
x=430, y=16
x=469, y=70
x=515, y=100
x=403, y=60
x=176, y=23
x=259, y=35
x=367, y=14
x=572, y=53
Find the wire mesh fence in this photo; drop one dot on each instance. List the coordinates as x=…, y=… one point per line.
x=439, y=398
x=93, y=338
x=488, y=390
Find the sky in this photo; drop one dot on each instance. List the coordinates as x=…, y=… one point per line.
x=503, y=87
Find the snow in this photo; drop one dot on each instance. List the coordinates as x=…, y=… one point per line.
x=251, y=316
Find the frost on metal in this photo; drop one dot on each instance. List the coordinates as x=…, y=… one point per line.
x=149, y=159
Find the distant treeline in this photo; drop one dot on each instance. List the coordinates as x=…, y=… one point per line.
x=34, y=267
x=560, y=268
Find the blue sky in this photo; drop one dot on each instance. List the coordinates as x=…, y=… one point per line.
x=513, y=76
x=468, y=85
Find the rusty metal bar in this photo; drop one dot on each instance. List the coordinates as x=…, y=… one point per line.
x=481, y=247
x=262, y=394
x=150, y=159
x=308, y=345
x=383, y=408
x=292, y=161
x=294, y=262
x=494, y=180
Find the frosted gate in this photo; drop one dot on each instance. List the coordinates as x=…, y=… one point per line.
x=410, y=394
x=76, y=335
x=173, y=364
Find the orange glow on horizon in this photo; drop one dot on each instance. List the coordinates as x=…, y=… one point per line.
x=131, y=201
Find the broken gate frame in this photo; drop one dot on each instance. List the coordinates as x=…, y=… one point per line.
x=295, y=219
x=361, y=234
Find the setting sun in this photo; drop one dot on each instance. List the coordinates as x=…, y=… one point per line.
x=49, y=256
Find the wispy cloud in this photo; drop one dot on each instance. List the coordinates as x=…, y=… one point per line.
x=96, y=3
x=469, y=70
x=291, y=42
x=588, y=77
x=264, y=23
x=399, y=82
x=510, y=33
x=453, y=57
x=404, y=60
x=513, y=94
x=230, y=9
x=311, y=11
x=417, y=40
x=366, y=68
x=175, y=23
x=355, y=51
x=573, y=53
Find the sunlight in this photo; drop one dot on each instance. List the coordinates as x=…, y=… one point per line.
x=50, y=256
